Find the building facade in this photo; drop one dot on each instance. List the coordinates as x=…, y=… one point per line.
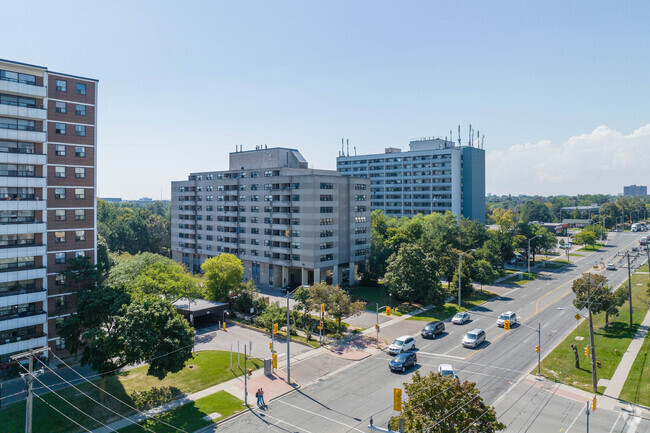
x=635, y=190
x=47, y=199
x=289, y=224
x=433, y=176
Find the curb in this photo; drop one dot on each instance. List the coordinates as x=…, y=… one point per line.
x=261, y=331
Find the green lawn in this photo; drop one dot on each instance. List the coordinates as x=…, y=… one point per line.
x=521, y=280
x=189, y=417
x=204, y=370
x=610, y=345
x=377, y=295
x=449, y=309
x=637, y=385
x=595, y=247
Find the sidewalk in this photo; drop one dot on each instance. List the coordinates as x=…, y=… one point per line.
x=617, y=381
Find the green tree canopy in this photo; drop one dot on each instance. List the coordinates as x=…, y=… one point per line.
x=223, y=274
x=442, y=405
x=338, y=303
x=603, y=299
x=412, y=275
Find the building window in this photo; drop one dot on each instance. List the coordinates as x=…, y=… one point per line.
x=255, y=187
x=360, y=186
x=326, y=197
x=326, y=257
x=326, y=233
x=59, y=237
x=80, y=235
x=80, y=254
x=61, y=85
x=360, y=197
x=80, y=152
x=59, y=280
x=59, y=215
x=255, y=174
x=80, y=110
x=80, y=214
x=59, y=150
x=59, y=322
x=326, y=221
x=268, y=173
x=326, y=185
x=59, y=128
x=79, y=172
x=326, y=209
x=59, y=193
x=79, y=193
x=326, y=245
x=59, y=302
x=59, y=258
x=59, y=171
x=81, y=89
x=359, y=230
x=359, y=209
x=60, y=107
x=360, y=219
x=60, y=344
x=80, y=130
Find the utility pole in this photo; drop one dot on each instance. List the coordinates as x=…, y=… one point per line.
x=29, y=409
x=377, y=324
x=539, y=349
x=594, y=378
x=629, y=287
x=289, y=335
x=587, y=416
x=245, y=378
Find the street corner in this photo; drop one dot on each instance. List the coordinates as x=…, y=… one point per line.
x=273, y=386
x=358, y=349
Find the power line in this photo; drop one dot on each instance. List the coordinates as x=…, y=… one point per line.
x=70, y=419
x=121, y=401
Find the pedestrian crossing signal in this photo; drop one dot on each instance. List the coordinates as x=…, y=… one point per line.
x=250, y=372
x=275, y=328
x=388, y=311
x=271, y=345
x=274, y=360
x=322, y=308
x=593, y=404
x=537, y=349
x=506, y=325
x=397, y=399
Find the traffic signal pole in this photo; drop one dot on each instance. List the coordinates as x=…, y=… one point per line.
x=539, y=348
x=594, y=375
x=629, y=286
x=245, y=378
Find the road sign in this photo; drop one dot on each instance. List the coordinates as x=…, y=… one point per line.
x=577, y=316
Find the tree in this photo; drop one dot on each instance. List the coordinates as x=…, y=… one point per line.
x=114, y=329
x=412, y=275
x=603, y=299
x=338, y=302
x=504, y=243
x=585, y=237
x=505, y=219
x=466, y=287
x=535, y=211
x=441, y=404
x=223, y=274
x=150, y=273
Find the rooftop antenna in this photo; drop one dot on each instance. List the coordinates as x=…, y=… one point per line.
x=347, y=141
x=478, y=137
x=355, y=150
x=469, y=134
x=451, y=136
x=342, y=147
x=482, y=140
x=458, y=135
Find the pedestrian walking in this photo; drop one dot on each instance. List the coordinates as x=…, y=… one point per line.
x=259, y=397
x=261, y=392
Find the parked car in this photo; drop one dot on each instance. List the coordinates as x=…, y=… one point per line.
x=403, y=361
x=447, y=370
x=460, y=318
x=474, y=338
x=508, y=315
x=610, y=267
x=433, y=329
x=402, y=344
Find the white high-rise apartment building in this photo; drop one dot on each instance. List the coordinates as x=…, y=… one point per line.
x=289, y=224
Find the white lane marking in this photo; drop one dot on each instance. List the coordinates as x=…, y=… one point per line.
x=265, y=415
x=576, y=418
x=615, y=422
x=634, y=424
x=438, y=354
x=471, y=373
x=322, y=416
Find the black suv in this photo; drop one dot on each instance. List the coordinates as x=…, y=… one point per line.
x=433, y=329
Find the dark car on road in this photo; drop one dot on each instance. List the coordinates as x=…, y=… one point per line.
x=433, y=329
x=403, y=361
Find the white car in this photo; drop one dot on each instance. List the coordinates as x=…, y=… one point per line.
x=508, y=315
x=474, y=338
x=460, y=318
x=447, y=370
x=611, y=267
x=402, y=344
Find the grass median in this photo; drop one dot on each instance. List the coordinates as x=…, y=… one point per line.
x=610, y=344
x=449, y=309
x=133, y=386
x=521, y=279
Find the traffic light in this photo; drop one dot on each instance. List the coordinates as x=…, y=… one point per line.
x=388, y=311
x=376, y=325
x=275, y=328
x=322, y=308
x=593, y=404
x=274, y=360
x=537, y=349
x=397, y=399
x=250, y=372
x=587, y=351
x=506, y=325
x=271, y=345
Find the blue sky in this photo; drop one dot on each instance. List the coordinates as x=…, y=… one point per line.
x=182, y=83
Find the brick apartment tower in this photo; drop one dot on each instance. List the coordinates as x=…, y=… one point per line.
x=47, y=199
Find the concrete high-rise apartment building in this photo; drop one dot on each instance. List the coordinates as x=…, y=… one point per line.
x=434, y=175
x=289, y=224
x=635, y=190
x=47, y=199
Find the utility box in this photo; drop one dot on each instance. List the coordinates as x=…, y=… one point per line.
x=267, y=367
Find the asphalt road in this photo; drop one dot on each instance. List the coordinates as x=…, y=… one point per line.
x=345, y=398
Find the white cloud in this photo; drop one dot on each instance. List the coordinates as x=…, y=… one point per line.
x=602, y=161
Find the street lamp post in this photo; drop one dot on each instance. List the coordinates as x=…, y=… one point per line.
x=528, y=257
x=460, y=256
x=289, y=338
